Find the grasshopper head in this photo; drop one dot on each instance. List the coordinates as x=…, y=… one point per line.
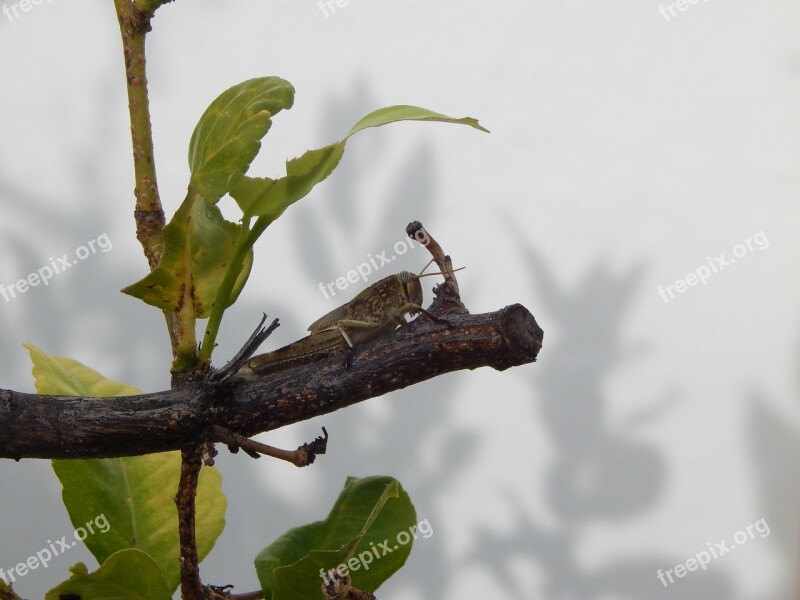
x=411, y=288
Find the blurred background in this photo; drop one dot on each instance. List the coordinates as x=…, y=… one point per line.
x=632, y=143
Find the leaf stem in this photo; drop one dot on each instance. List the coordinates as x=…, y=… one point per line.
x=248, y=239
x=134, y=24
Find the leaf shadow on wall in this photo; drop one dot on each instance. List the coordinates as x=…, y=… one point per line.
x=599, y=474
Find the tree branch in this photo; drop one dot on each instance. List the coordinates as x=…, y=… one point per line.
x=191, y=462
x=36, y=426
x=302, y=457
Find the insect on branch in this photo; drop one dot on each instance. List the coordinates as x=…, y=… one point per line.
x=308, y=378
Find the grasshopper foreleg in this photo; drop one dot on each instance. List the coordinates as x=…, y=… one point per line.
x=431, y=316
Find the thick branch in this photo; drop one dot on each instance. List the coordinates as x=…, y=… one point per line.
x=36, y=426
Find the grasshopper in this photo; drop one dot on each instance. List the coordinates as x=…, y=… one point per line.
x=374, y=312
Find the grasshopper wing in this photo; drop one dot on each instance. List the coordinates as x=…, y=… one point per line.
x=331, y=319
x=359, y=308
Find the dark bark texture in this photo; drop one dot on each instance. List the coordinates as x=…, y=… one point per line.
x=34, y=426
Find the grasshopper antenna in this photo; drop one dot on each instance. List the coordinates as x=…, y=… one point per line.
x=438, y=272
x=425, y=267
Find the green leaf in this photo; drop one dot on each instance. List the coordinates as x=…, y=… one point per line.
x=403, y=112
x=369, y=511
x=127, y=575
x=149, y=6
x=228, y=136
x=264, y=197
x=121, y=503
x=199, y=246
x=130, y=503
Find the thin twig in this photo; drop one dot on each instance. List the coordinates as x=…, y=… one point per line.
x=339, y=587
x=243, y=355
x=302, y=457
x=248, y=596
x=217, y=592
x=6, y=593
x=416, y=231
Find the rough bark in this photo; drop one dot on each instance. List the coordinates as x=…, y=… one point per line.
x=35, y=426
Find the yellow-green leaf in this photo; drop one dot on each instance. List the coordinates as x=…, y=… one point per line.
x=404, y=112
x=120, y=503
x=228, y=136
x=265, y=197
x=56, y=376
x=133, y=500
x=199, y=245
x=269, y=198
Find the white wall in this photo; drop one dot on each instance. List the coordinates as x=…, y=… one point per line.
x=626, y=148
